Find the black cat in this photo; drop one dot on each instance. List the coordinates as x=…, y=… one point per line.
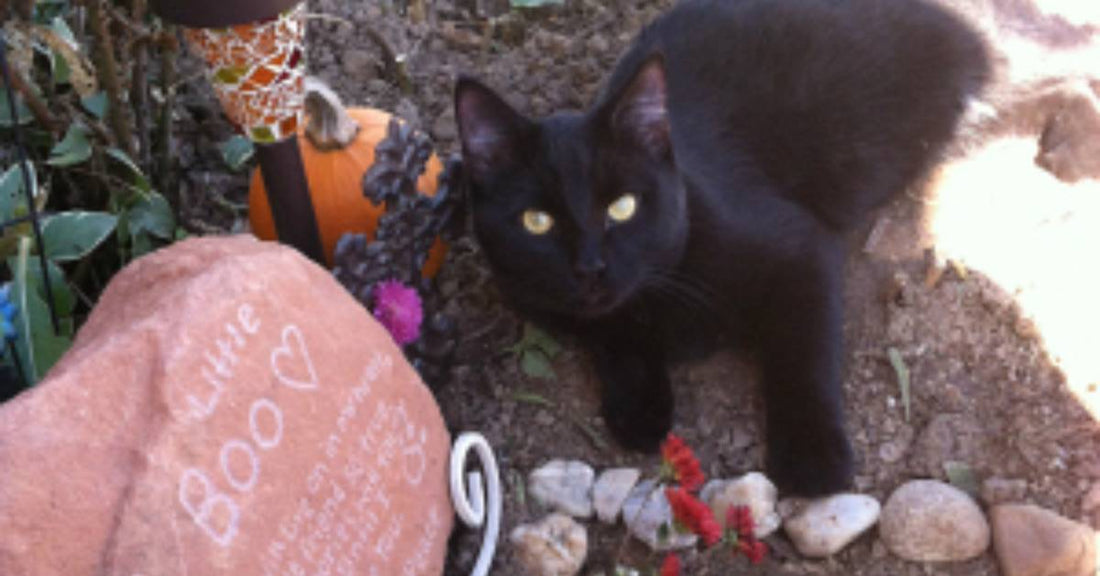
x=706, y=192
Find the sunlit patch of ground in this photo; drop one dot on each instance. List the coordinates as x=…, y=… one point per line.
x=1039, y=239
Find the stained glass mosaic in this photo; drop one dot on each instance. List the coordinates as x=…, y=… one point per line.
x=257, y=71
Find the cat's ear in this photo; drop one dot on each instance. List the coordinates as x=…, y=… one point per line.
x=490, y=130
x=639, y=114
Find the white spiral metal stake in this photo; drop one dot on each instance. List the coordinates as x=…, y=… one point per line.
x=469, y=503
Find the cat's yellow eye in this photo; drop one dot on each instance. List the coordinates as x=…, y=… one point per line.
x=623, y=209
x=537, y=222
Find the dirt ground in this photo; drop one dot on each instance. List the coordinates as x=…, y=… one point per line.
x=991, y=388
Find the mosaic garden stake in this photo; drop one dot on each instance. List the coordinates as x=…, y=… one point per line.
x=254, y=52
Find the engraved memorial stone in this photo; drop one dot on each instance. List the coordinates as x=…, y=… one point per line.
x=227, y=409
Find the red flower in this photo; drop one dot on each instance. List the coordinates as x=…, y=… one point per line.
x=681, y=463
x=694, y=515
x=671, y=566
x=739, y=520
x=740, y=523
x=753, y=549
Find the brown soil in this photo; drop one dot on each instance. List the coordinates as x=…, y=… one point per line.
x=985, y=390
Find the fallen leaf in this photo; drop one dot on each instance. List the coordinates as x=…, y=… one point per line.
x=961, y=476
x=902, y=372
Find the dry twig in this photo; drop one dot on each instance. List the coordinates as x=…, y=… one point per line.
x=107, y=71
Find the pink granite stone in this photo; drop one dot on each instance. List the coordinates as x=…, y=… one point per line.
x=226, y=409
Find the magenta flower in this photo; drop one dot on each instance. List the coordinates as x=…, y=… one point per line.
x=398, y=308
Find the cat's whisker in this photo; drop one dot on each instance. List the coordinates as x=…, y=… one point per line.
x=671, y=291
x=691, y=283
x=681, y=282
x=690, y=294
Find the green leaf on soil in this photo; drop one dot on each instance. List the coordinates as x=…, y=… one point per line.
x=73, y=235
x=536, y=364
x=236, y=152
x=902, y=372
x=535, y=3
x=532, y=398
x=519, y=488
x=535, y=337
x=73, y=149
x=961, y=476
x=592, y=435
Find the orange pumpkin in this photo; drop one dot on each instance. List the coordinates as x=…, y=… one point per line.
x=337, y=146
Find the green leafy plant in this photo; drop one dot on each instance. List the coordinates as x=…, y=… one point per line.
x=536, y=351
x=37, y=344
x=69, y=238
x=90, y=189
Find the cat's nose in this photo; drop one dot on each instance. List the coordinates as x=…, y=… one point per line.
x=591, y=267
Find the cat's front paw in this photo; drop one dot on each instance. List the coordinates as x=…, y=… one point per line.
x=637, y=425
x=811, y=467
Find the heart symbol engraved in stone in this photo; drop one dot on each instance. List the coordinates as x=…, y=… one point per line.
x=292, y=358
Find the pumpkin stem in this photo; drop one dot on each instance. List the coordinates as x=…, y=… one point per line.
x=329, y=126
